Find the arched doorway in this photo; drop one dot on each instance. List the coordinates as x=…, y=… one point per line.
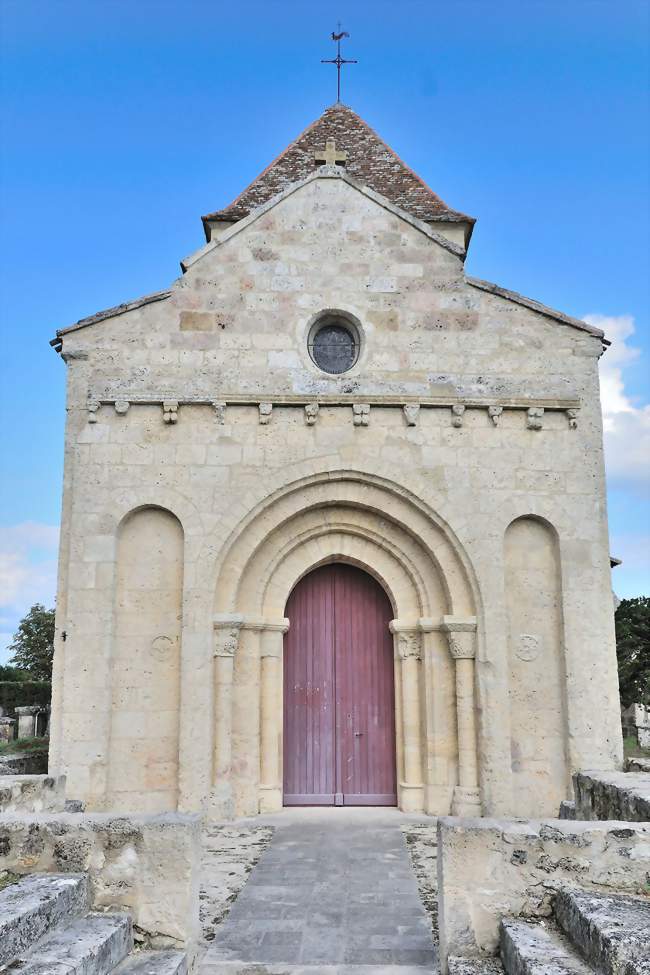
x=339, y=694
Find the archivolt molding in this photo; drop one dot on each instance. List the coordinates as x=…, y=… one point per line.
x=126, y=502
x=401, y=580
x=398, y=516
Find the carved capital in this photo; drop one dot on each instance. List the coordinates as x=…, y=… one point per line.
x=360, y=414
x=266, y=410
x=122, y=406
x=411, y=414
x=535, y=418
x=572, y=417
x=409, y=644
x=311, y=413
x=461, y=634
x=226, y=636
x=457, y=415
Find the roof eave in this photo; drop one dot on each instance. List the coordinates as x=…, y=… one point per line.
x=537, y=306
x=101, y=316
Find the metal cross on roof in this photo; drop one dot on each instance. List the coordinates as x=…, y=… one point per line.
x=338, y=60
x=330, y=155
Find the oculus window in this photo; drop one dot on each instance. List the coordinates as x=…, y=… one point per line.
x=334, y=344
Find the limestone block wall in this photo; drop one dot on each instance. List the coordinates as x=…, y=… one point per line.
x=489, y=869
x=210, y=464
x=148, y=865
x=31, y=793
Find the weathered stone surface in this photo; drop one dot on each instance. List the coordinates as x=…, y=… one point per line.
x=529, y=948
x=567, y=809
x=32, y=793
x=612, y=795
x=90, y=945
x=638, y=764
x=611, y=931
x=154, y=963
x=422, y=844
x=34, y=905
x=474, y=966
x=146, y=864
x=489, y=869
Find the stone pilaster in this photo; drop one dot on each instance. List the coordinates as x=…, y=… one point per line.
x=461, y=634
x=271, y=715
x=408, y=652
x=226, y=643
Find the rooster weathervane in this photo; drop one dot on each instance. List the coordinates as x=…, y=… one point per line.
x=338, y=35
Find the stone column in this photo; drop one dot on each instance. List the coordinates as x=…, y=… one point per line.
x=226, y=642
x=408, y=650
x=461, y=634
x=271, y=716
x=27, y=720
x=438, y=691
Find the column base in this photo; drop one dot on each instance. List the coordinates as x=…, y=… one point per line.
x=270, y=799
x=411, y=797
x=220, y=803
x=466, y=802
x=438, y=800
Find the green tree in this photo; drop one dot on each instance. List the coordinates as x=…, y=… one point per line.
x=33, y=643
x=7, y=672
x=633, y=650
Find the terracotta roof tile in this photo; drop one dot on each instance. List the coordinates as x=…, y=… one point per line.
x=369, y=160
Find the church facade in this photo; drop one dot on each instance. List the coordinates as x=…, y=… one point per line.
x=334, y=525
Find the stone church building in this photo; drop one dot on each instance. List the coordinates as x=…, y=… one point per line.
x=334, y=525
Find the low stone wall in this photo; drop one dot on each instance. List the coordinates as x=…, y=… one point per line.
x=32, y=793
x=148, y=865
x=612, y=795
x=24, y=763
x=489, y=869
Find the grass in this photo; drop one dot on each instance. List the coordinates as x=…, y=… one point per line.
x=632, y=750
x=24, y=745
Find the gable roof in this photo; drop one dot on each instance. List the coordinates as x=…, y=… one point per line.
x=322, y=172
x=369, y=161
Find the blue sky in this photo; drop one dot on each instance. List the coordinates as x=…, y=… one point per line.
x=123, y=122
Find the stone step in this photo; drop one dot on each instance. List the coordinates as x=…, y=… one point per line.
x=612, y=931
x=153, y=963
x=90, y=945
x=538, y=949
x=35, y=905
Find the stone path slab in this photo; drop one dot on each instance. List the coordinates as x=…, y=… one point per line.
x=333, y=895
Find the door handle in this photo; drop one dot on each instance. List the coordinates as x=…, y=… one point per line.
x=358, y=734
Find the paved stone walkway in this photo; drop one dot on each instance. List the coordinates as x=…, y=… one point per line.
x=333, y=895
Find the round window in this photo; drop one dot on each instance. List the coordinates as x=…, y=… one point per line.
x=334, y=346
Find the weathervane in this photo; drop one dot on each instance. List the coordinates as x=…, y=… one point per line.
x=338, y=60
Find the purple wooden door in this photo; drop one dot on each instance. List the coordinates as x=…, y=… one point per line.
x=339, y=698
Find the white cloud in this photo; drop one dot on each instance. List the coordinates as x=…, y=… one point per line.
x=626, y=422
x=28, y=560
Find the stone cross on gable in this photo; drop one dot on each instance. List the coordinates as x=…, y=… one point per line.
x=330, y=156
